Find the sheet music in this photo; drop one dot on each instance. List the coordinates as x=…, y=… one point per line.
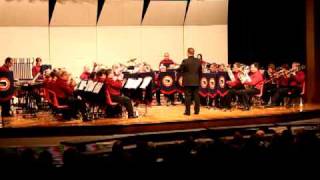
x=133, y=83
x=82, y=85
x=97, y=88
x=91, y=84
x=146, y=82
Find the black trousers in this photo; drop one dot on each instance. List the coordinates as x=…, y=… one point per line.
x=158, y=96
x=224, y=101
x=244, y=95
x=282, y=92
x=76, y=105
x=5, y=111
x=192, y=92
x=125, y=101
x=268, y=92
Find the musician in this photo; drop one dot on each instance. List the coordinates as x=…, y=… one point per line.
x=5, y=102
x=114, y=85
x=191, y=70
x=221, y=68
x=236, y=83
x=270, y=85
x=213, y=68
x=86, y=74
x=37, y=67
x=50, y=79
x=295, y=81
x=164, y=65
x=64, y=90
x=199, y=56
x=253, y=86
x=166, y=61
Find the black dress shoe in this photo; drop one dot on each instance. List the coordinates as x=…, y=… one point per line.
x=196, y=113
x=187, y=113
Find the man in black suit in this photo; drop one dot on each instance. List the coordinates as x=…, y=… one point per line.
x=191, y=72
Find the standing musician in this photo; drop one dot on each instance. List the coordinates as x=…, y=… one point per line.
x=5, y=102
x=252, y=87
x=191, y=70
x=36, y=68
x=114, y=85
x=295, y=79
x=270, y=85
x=64, y=88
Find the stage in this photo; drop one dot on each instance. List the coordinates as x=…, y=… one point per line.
x=158, y=118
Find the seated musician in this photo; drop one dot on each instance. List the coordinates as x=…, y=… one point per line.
x=5, y=102
x=270, y=85
x=36, y=68
x=164, y=65
x=236, y=83
x=166, y=61
x=86, y=74
x=114, y=85
x=295, y=79
x=64, y=88
x=213, y=68
x=252, y=87
x=50, y=79
x=221, y=68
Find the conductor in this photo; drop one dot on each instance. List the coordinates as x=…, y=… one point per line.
x=191, y=72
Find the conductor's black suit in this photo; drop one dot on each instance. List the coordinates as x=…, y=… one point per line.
x=191, y=72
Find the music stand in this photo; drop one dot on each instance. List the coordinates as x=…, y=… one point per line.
x=146, y=81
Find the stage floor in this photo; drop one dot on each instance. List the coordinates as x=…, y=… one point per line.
x=164, y=115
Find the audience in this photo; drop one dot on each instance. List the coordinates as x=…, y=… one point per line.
x=261, y=149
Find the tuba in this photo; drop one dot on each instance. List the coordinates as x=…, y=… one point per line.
x=244, y=74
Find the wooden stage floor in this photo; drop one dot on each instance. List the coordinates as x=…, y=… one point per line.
x=161, y=118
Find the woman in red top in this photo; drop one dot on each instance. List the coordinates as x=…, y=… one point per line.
x=37, y=68
x=64, y=92
x=113, y=87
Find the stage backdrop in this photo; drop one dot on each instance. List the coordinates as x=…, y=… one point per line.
x=74, y=33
